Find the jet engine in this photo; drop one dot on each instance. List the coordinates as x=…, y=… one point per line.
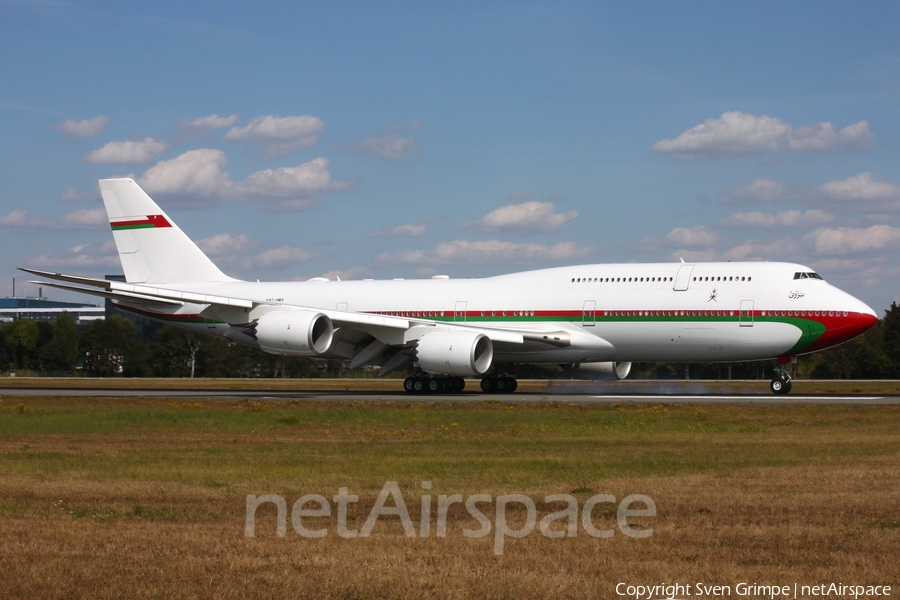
x=600, y=370
x=295, y=332
x=464, y=353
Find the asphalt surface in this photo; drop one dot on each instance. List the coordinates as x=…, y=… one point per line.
x=562, y=396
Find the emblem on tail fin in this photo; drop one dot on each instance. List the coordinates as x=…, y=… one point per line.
x=148, y=222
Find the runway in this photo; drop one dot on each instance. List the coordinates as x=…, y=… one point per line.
x=560, y=396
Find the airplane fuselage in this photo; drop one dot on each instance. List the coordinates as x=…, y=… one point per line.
x=645, y=312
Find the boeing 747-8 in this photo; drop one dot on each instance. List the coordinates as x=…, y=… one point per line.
x=597, y=318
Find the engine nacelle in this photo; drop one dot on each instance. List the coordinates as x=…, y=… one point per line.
x=464, y=353
x=295, y=332
x=601, y=370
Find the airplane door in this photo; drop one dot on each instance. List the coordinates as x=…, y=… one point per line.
x=746, y=313
x=683, y=279
x=459, y=313
x=589, y=314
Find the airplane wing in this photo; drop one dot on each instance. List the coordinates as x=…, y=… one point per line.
x=390, y=330
x=360, y=337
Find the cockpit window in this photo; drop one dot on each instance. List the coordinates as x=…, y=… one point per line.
x=807, y=276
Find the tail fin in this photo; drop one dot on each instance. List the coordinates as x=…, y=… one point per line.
x=151, y=247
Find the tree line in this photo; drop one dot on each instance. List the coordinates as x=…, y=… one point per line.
x=112, y=348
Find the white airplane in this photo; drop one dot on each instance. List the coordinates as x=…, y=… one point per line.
x=594, y=318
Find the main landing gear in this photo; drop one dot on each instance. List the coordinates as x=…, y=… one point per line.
x=499, y=384
x=782, y=382
x=428, y=384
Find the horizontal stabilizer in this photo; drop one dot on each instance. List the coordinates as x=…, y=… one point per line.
x=113, y=295
x=101, y=283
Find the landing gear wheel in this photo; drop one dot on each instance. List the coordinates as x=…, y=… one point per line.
x=435, y=386
x=418, y=385
x=408, y=384
x=500, y=385
x=780, y=386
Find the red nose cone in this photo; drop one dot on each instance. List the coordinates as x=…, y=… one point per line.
x=865, y=320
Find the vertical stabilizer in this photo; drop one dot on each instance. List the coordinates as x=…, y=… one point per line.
x=151, y=246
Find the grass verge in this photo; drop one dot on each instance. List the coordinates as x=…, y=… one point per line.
x=106, y=497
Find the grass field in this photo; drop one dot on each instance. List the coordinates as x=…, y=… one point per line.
x=104, y=498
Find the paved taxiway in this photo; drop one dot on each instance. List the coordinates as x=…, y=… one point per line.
x=519, y=397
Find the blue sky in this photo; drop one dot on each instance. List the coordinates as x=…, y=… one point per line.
x=295, y=140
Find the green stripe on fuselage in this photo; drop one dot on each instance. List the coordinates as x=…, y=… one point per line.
x=810, y=330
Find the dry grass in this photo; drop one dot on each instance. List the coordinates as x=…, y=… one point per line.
x=108, y=498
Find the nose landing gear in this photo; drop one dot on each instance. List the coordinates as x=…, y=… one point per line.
x=780, y=385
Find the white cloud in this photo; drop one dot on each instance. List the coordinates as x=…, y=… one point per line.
x=224, y=244
x=738, y=134
x=201, y=173
x=846, y=240
x=766, y=190
x=488, y=251
x=132, y=152
x=204, y=125
x=356, y=272
x=70, y=194
x=527, y=217
x=280, y=255
x=692, y=237
x=309, y=179
x=748, y=250
x=86, y=218
x=861, y=187
x=196, y=172
x=857, y=136
x=85, y=256
x=86, y=128
x=694, y=255
x=813, y=137
x=15, y=218
x=406, y=230
x=785, y=218
x=280, y=135
x=393, y=146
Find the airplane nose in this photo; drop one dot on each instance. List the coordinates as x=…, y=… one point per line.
x=865, y=317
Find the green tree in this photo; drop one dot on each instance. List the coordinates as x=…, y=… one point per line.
x=61, y=351
x=105, y=345
x=176, y=352
x=23, y=341
x=891, y=343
